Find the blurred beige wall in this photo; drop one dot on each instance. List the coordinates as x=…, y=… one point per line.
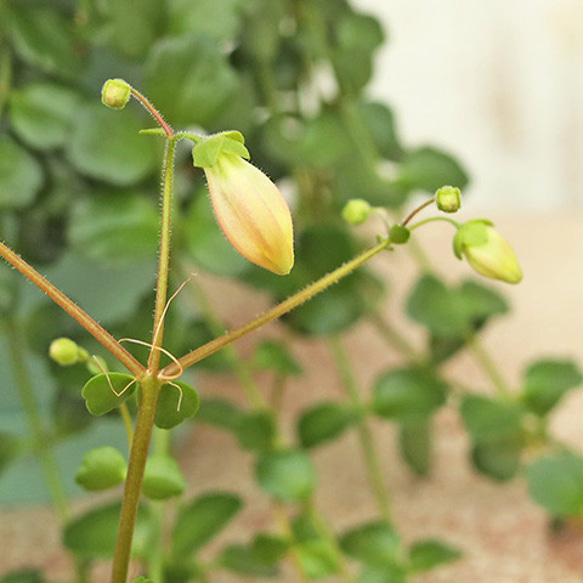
x=498, y=83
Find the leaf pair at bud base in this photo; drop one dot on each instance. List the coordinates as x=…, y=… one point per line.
x=249, y=208
x=487, y=251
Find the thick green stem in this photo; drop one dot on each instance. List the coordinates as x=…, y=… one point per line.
x=373, y=467
x=150, y=388
x=276, y=312
x=41, y=443
x=69, y=306
x=164, y=258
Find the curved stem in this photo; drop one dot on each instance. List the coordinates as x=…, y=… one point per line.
x=413, y=213
x=432, y=220
x=69, y=306
x=164, y=258
x=276, y=312
x=153, y=111
x=150, y=389
x=374, y=471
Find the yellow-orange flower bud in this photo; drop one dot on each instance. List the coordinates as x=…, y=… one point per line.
x=252, y=212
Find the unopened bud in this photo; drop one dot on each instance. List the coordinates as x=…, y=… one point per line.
x=448, y=199
x=356, y=211
x=115, y=93
x=487, y=251
x=65, y=351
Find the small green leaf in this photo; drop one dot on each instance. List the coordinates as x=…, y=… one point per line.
x=42, y=114
x=256, y=430
x=545, y=383
x=380, y=122
x=415, y=444
x=374, y=543
x=322, y=423
x=21, y=176
x=404, y=393
x=271, y=355
x=107, y=145
x=427, y=554
x=489, y=420
x=499, y=459
x=556, y=483
x=115, y=227
x=10, y=447
x=382, y=574
x=318, y=558
x=103, y=393
x=163, y=478
x=286, y=475
x=218, y=412
x=177, y=402
x=243, y=559
x=429, y=169
x=24, y=576
x=201, y=520
x=270, y=548
x=142, y=579
x=102, y=468
x=92, y=535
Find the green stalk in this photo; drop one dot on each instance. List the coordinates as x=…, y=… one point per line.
x=150, y=389
x=373, y=467
x=277, y=311
x=42, y=444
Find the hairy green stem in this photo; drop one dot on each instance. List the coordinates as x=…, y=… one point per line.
x=42, y=444
x=164, y=258
x=150, y=389
x=276, y=312
x=69, y=306
x=373, y=467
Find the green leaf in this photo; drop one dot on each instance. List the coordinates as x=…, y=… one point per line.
x=415, y=444
x=322, y=423
x=556, y=483
x=272, y=355
x=175, y=404
x=218, y=412
x=429, y=169
x=404, y=393
x=489, y=420
x=243, y=559
x=382, y=574
x=256, y=430
x=107, y=145
x=201, y=520
x=24, y=576
x=189, y=79
x=45, y=39
x=546, y=382
x=163, y=478
x=318, y=558
x=286, y=475
x=499, y=459
x=21, y=176
x=380, y=122
x=115, y=227
x=100, y=392
x=102, y=468
x=142, y=579
x=270, y=548
x=10, y=448
x=374, y=543
x=42, y=114
x=92, y=535
x=427, y=554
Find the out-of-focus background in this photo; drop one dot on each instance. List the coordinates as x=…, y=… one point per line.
x=500, y=83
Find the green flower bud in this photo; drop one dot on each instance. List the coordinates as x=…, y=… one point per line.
x=356, y=211
x=102, y=468
x=448, y=199
x=115, y=93
x=487, y=251
x=399, y=234
x=65, y=352
x=163, y=478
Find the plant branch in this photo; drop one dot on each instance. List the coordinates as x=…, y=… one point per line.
x=69, y=306
x=276, y=312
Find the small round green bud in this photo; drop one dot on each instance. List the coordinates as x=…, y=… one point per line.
x=163, y=478
x=102, y=468
x=356, y=211
x=448, y=199
x=65, y=351
x=115, y=93
x=399, y=234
